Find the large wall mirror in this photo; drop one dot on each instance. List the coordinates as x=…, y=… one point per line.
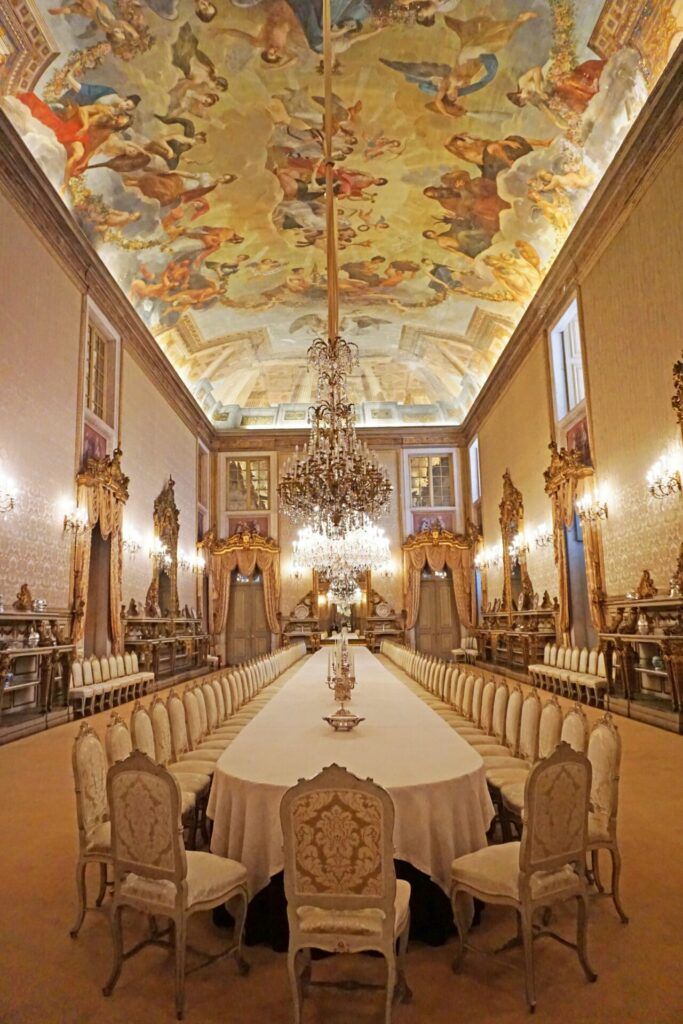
x=163, y=591
x=517, y=586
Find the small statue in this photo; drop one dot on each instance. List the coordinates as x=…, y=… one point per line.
x=152, y=601
x=629, y=625
x=646, y=588
x=46, y=636
x=186, y=612
x=24, y=601
x=57, y=632
x=615, y=621
x=546, y=603
x=133, y=609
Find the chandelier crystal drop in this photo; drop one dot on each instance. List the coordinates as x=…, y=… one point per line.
x=354, y=552
x=343, y=590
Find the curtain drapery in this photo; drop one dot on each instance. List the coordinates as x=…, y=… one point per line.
x=245, y=559
x=102, y=494
x=437, y=556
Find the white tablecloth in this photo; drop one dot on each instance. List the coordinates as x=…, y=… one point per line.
x=435, y=778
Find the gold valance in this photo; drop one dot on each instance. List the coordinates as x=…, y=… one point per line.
x=438, y=548
x=244, y=552
x=102, y=490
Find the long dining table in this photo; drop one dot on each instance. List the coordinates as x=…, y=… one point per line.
x=435, y=778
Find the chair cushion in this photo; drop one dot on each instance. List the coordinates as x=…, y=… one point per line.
x=210, y=879
x=503, y=776
x=193, y=767
x=99, y=840
x=355, y=922
x=202, y=754
x=513, y=795
x=494, y=871
x=490, y=749
x=189, y=782
x=491, y=763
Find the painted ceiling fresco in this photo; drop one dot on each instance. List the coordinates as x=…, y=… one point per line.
x=186, y=137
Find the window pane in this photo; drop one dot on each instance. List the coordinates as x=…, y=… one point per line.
x=259, y=496
x=442, y=489
x=95, y=380
x=475, y=485
x=237, y=484
x=419, y=481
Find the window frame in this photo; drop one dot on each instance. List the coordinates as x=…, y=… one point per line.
x=474, y=466
x=458, y=509
x=565, y=412
x=431, y=457
x=108, y=425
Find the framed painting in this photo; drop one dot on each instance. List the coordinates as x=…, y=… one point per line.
x=577, y=437
x=94, y=444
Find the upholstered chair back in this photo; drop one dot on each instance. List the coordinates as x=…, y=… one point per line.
x=448, y=680
x=142, y=731
x=128, y=664
x=602, y=668
x=513, y=718
x=431, y=676
x=105, y=670
x=113, y=667
x=192, y=719
x=468, y=694
x=487, y=699
x=76, y=674
x=96, y=670
x=201, y=708
x=500, y=704
x=575, y=729
x=593, y=663
x=219, y=698
x=441, y=679
x=120, y=665
x=604, y=754
x=227, y=694
x=90, y=781
x=243, y=684
x=459, y=692
x=117, y=741
x=146, y=830
x=477, y=694
x=87, y=673
x=161, y=726
x=560, y=657
x=134, y=661
x=235, y=692
x=338, y=847
x=556, y=799
x=211, y=706
x=528, y=730
x=574, y=662
x=546, y=654
x=553, y=654
x=550, y=727
x=176, y=714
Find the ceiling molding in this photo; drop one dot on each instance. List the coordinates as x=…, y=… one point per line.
x=655, y=131
x=27, y=187
x=281, y=440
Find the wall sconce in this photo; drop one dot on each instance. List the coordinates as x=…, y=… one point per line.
x=75, y=520
x=159, y=553
x=664, y=478
x=543, y=535
x=8, y=494
x=519, y=546
x=131, y=542
x=591, y=508
x=192, y=563
x=386, y=571
x=489, y=558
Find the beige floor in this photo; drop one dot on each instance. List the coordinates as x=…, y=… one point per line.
x=47, y=978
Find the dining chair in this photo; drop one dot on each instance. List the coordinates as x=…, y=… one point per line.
x=340, y=882
x=92, y=814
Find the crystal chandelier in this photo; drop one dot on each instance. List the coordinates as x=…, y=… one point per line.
x=355, y=551
x=343, y=589
x=335, y=485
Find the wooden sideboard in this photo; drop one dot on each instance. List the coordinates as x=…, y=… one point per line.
x=35, y=660
x=167, y=646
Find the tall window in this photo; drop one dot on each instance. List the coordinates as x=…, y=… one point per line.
x=248, y=485
x=431, y=481
x=565, y=341
x=475, y=479
x=96, y=373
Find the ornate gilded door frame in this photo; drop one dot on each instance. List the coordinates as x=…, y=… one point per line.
x=511, y=521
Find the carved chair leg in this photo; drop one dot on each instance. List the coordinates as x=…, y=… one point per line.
x=391, y=985
x=238, y=907
x=295, y=983
x=81, y=894
x=405, y=993
x=616, y=874
x=117, y=941
x=103, y=884
x=526, y=919
x=595, y=870
x=180, y=936
x=581, y=936
x=462, y=924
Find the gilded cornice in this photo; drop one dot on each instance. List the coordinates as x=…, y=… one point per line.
x=106, y=472
x=284, y=440
x=565, y=466
x=511, y=507
x=657, y=128
x=677, y=397
x=439, y=537
x=246, y=541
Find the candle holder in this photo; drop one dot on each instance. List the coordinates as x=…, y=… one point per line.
x=340, y=671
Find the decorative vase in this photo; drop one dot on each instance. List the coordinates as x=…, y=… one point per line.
x=643, y=625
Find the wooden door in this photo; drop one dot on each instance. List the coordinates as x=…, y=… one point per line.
x=247, y=633
x=438, y=628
